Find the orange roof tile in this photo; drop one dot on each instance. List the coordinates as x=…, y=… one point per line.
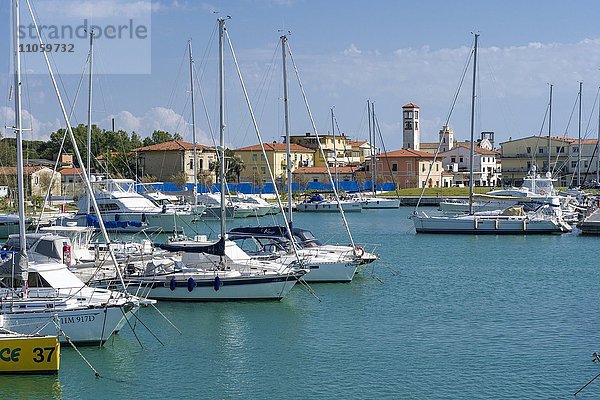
x=406, y=153
x=410, y=105
x=71, y=171
x=477, y=149
x=174, y=145
x=276, y=147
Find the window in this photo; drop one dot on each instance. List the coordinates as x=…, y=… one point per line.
x=191, y=163
x=575, y=149
x=560, y=149
x=461, y=159
x=262, y=157
x=263, y=170
x=416, y=125
x=201, y=164
x=315, y=179
x=541, y=150
x=254, y=157
x=573, y=164
x=408, y=125
x=416, y=114
x=405, y=114
x=437, y=167
x=394, y=166
x=423, y=167
x=528, y=165
x=528, y=150
x=453, y=159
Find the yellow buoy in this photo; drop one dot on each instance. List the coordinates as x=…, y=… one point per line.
x=24, y=354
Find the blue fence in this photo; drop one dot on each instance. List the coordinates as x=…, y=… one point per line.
x=267, y=188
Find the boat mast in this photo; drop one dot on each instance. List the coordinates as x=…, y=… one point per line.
x=221, y=147
x=370, y=144
x=579, y=139
x=374, y=158
x=19, y=136
x=472, y=150
x=335, y=173
x=288, y=149
x=550, y=129
x=195, y=190
x=598, y=149
x=89, y=115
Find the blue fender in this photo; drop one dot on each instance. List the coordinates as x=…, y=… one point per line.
x=191, y=284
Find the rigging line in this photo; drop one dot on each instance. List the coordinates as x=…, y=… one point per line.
x=564, y=136
x=386, y=158
x=314, y=127
x=505, y=106
x=539, y=136
x=453, y=104
x=62, y=144
x=262, y=145
x=174, y=88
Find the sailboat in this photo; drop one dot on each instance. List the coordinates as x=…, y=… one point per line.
x=374, y=202
x=327, y=263
x=513, y=220
x=217, y=270
x=45, y=297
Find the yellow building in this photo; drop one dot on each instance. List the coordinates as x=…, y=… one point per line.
x=519, y=155
x=256, y=166
x=347, y=152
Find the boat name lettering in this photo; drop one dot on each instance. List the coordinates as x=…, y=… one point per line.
x=8, y=355
x=79, y=318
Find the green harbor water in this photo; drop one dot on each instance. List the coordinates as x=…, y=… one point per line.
x=439, y=316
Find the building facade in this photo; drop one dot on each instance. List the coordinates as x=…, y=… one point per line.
x=169, y=160
x=408, y=169
x=411, y=130
x=456, y=163
x=256, y=170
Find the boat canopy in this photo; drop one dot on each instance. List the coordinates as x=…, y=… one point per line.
x=217, y=249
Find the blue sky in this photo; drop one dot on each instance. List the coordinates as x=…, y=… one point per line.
x=392, y=52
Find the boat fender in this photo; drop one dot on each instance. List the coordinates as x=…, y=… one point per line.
x=217, y=283
x=172, y=284
x=191, y=284
x=66, y=254
x=359, y=251
x=117, y=217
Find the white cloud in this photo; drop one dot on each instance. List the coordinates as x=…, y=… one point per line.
x=157, y=118
x=39, y=130
x=97, y=9
x=352, y=50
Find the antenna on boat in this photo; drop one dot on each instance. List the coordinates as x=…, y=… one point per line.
x=550, y=127
x=472, y=151
x=195, y=190
x=288, y=149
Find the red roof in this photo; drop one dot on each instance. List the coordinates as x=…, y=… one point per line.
x=174, y=145
x=410, y=105
x=586, y=141
x=406, y=153
x=323, y=170
x=276, y=147
x=71, y=171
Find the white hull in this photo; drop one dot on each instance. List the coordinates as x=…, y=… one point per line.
x=330, y=271
x=474, y=224
x=350, y=206
x=242, y=288
x=151, y=222
x=92, y=326
x=378, y=202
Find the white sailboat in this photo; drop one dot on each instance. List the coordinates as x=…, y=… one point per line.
x=46, y=298
x=208, y=271
x=509, y=221
x=374, y=202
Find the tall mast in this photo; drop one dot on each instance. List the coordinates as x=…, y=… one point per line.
x=550, y=130
x=221, y=148
x=374, y=158
x=598, y=149
x=472, y=151
x=371, y=145
x=19, y=134
x=288, y=151
x=335, y=173
x=579, y=138
x=195, y=190
x=89, y=119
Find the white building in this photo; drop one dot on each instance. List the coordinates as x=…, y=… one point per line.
x=485, y=169
x=410, y=127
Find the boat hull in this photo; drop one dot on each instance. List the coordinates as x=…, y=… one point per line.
x=329, y=207
x=494, y=226
x=29, y=354
x=233, y=289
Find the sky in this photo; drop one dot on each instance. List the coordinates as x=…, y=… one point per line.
x=391, y=52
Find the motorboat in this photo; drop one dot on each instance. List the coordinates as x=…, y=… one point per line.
x=317, y=203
